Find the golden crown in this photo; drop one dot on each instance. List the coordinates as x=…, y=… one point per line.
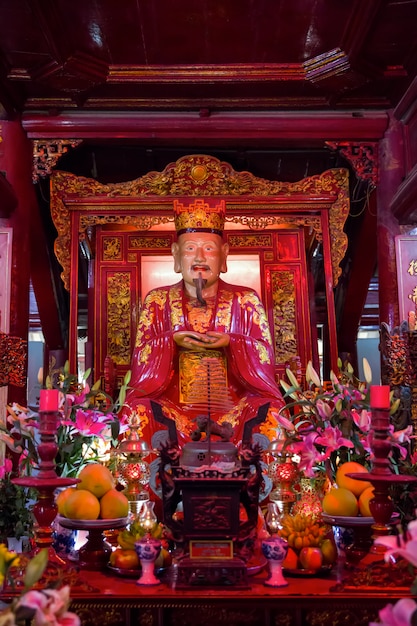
x=198, y=215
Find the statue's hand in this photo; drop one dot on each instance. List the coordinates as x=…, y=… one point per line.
x=192, y=340
x=219, y=340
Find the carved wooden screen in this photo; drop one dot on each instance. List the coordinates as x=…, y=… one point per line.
x=281, y=222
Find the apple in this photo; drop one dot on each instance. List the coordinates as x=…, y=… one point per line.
x=311, y=558
x=124, y=559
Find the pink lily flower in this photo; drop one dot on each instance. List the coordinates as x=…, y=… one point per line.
x=6, y=468
x=283, y=421
x=401, y=436
x=332, y=440
x=310, y=457
x=362, y=419
x=21, y=420
x=398, y=614
x=50, y=607
x=324, y=409
x=89, y=423
x=401, y=545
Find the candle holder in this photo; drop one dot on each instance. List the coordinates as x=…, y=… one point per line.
x=132, y=470
x=283, y=472
x=275, y=550
x=148, y=550
x=46, y=481
x=381, y=475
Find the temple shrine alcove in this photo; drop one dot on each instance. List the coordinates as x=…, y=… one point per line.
x=284, y=238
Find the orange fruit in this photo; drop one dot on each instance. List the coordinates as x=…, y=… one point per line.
x=354, y=485
x=291, y=560
x=96, y=478
x=364, y=500
x=340, y=501
x=114, y=504
x=61, y=499
x=82, y=504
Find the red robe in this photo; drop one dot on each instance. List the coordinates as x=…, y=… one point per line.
x=236, y=311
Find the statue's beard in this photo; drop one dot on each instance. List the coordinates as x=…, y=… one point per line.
x=200, y=283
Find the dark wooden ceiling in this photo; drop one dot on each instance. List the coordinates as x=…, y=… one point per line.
x=232, y=54
x=73, y=63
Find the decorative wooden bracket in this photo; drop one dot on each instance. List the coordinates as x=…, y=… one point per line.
x=362, y=157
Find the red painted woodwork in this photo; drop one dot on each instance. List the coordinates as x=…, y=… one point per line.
x=238, y=54
x=260, y=128
x=109, y=599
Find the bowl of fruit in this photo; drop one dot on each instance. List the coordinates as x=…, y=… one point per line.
x=346, y=507
x=124, y=560
x=311, y=547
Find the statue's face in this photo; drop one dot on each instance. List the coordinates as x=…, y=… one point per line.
x=196, y=253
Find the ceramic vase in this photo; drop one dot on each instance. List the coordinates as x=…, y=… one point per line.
x=275, y=550
x=148, y=550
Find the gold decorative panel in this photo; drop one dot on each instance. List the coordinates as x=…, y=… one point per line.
x=119, y=305
x=143, y=243
x=250, y=241
x=284, y=327
x=112, y=249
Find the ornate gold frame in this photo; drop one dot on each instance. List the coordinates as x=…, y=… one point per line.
x=203, y=175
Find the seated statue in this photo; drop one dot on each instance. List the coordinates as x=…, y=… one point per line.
x=203, y=347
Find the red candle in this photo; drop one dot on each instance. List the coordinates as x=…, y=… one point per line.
x=380, y=397
x=49, y=400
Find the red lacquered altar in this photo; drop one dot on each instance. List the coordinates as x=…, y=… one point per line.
x=106, y=599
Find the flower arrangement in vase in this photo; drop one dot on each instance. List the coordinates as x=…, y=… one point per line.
x=330, y=423
x=88, y=426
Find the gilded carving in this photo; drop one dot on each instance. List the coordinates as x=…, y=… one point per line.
x=119, y=306
x=205, y=176
x=250, y=241
x=363, y=158
x=261, y=222
x=93, y=614
x=141, y=222
x=143, y=242
x=209, y=615
x=340, y=617
x=112, y=248
x=284, y=324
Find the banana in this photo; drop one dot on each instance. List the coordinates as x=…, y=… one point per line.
x=302, y=531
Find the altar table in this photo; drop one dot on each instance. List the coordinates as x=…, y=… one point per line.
x=118, y=601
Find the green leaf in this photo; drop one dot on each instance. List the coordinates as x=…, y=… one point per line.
x=35, y=568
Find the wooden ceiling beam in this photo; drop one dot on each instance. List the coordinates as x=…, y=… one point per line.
x=285, y=125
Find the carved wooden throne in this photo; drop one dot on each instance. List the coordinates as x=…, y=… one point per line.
x=115, y=229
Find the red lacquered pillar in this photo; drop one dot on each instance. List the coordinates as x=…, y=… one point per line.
x=391, y=174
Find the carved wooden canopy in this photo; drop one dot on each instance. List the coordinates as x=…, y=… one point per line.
x=253, y=202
